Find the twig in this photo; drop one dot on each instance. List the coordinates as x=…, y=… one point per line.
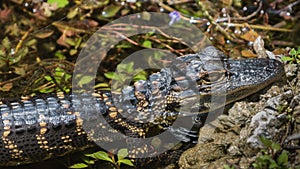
x=124, y=27
x=282, y=43
x=126, y=38
x=60, y=25
x=22, y=40
x=288, y=7
x=270, y=28
x=218, y=27
x=166, y=45
x=243, y=18
x=16, y=78
x=175, y=2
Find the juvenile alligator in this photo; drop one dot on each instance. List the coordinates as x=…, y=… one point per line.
x=47, y=126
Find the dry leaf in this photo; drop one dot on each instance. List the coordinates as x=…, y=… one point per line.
x=248, y=53
x=250, y=36
x=62, y=41
x=220, y=39
x=44, y=34
x=280, y=51
x=227, y=2
x=20, y=70
x=4, y=14
x=92, y=23
x=6, y=87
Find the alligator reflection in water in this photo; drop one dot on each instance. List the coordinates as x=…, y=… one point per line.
x=43, y=127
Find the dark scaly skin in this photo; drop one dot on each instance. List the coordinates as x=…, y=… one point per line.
x=43, y=127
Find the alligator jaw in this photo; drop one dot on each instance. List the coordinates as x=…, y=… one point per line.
x=251, y=76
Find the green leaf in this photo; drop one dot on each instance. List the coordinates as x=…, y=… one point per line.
x=57, y=79
x=109, y=75
x=287, y=58
x=151, y=33
x=237, y=3
x=73, y=52
x=60, y=55
x=293, y=52
x=266, y=142
x=122, y=153
x=78, y=42
x=66, y=89
x=263, y=160
x=125, y=67
x=101, y=155
x=70, y=41
x=273, y=164
x=184, y=11
x=113, y=75
x=85, y=80
x=283, y=158
x=31, y=42
x=147, y=44
x=6, y=43
x=225, y=166
x=90, y=155
x=48, y=78
x=2, y=53
x=59, y=72
x=79, y=165
x=139, y=76
x=67, y=77
x=255, y=165
x=111, y=10
x=87, y=160
x=158, y=55
x=72, y=13
x=46, y=90
x=129, y=67
x=58, y=69
x=101, y=85
x=60, y=3
x=21, y=54
x=124, y=46
x=275, y=146
x=126, y=161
